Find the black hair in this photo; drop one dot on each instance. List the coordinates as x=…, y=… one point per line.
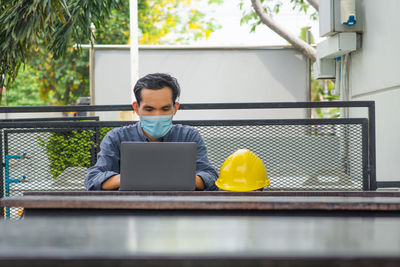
x=156, y=81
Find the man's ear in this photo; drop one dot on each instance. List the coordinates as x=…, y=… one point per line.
x=135, y=107
x=176, y=106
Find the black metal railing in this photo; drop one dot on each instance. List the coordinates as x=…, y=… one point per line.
x=300, y=154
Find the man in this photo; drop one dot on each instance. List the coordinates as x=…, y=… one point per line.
x=156, y=96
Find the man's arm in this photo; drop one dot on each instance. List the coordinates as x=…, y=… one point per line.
x=204, y=170
x=107, y=165
x=199, y=183
x=112, y=183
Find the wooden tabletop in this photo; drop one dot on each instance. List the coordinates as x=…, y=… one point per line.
x=199, y=241
x=352, y=201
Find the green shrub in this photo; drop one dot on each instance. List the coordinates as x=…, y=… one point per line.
x=70, y=149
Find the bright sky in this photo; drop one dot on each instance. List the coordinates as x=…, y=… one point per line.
x=228, y=15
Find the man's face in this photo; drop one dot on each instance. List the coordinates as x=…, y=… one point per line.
x=156, y=102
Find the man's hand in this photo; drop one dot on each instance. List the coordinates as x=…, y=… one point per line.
x=199, y=183
x=112, y=183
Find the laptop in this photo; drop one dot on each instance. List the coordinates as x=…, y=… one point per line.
x=154, y=166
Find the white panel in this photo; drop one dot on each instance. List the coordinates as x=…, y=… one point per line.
x=210, y=75
x=376, y=65
x=231, y=76
x=387, y=133
x=112, y=72
x=326, y=17
x=375, y=75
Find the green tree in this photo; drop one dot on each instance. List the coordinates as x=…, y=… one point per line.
x=60, y=81
x=159, y=21
x=45, y=40
x=25, y=90
x=27, y=24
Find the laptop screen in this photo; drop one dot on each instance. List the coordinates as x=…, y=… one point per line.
x=158, y=166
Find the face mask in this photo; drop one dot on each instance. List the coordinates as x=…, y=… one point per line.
x=156, y=126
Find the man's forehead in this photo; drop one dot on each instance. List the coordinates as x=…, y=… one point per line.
x=152, y=105
x=165, y=90
x=161, y=96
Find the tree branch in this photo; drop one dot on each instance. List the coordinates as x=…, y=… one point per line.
x=314, y=3
x=299, y=44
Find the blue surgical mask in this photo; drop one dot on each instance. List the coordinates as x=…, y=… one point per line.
x=156, y=126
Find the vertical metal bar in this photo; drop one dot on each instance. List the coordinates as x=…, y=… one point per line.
x=7, y=175
x=372, y=146
x=365, y=155
x=7, y=209
x=97, y=144
x=94, y=148
x=5, y=144
x=1, y=171
x=2, y=166
x=346, y=147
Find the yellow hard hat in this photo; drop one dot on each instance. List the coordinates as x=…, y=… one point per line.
x=242, y=171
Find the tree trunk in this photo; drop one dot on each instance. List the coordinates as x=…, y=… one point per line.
x=66, y=93
x=299, y=44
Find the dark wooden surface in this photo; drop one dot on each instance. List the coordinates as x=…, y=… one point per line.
x=217, y=193
x=152, y=239
x=199, y=241
x=206, y=201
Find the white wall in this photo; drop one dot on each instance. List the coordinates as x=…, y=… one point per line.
x=210, y=75
x=375, y=75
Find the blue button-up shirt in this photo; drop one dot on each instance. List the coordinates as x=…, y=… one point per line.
x=108, y=159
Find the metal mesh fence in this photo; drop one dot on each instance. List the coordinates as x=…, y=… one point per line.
x=297, y=157
x=330, y=154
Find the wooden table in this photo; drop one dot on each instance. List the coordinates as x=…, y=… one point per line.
x=208, y=203
x=212, y=229
x=200, y=241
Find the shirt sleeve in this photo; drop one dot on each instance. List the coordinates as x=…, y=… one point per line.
x=107, y=164
x=204, y=169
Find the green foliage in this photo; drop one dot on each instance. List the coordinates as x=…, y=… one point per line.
x=159, y=21
x=39, y=32
x=64, y=79
x=323, y=90
x=25, y=24
x=25, y=90
x=303, y=35
x=70, y=149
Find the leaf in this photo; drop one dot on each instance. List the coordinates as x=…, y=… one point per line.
x=60, y=13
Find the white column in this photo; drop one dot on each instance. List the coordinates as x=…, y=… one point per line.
x=134, y=34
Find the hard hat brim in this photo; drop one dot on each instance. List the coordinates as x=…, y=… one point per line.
x=241, y=188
